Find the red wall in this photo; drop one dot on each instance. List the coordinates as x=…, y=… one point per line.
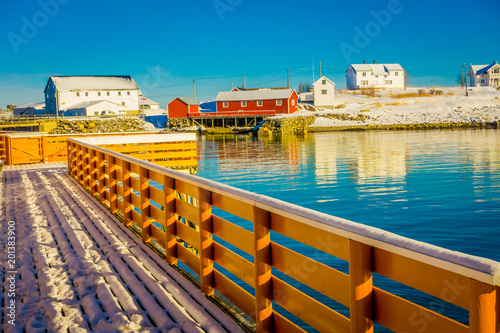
x=269, y=105
x=177, y=109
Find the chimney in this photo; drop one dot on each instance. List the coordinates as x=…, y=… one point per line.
x=364, y=61
x=374, y=61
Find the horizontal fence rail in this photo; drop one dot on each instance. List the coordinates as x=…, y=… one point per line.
x=24, y=148
x=197, y=222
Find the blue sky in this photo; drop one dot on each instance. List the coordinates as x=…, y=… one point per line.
x=164, y=44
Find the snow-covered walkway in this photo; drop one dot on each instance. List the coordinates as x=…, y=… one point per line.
x=80, y=270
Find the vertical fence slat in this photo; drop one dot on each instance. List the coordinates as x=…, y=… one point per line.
x=8, y=150
x=127, y=193
x=86, y=168
x=145, y=202
x=101, y=177
x=112, y=184
x=93, y=172
x=169, y=211
x=263, y=274
x=360, y=272
x=79, y=164
x=483, y=308
x=206, y=242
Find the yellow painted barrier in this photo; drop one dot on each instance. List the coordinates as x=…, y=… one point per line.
x=125, y=185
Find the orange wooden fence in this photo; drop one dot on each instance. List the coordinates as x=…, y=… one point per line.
x=125, y=185
x=24, y=148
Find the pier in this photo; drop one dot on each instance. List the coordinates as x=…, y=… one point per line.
x=181, y=222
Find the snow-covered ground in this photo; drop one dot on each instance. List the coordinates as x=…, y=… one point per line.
x=79, y=270
x=482, y=105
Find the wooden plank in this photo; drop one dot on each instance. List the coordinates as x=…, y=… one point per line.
x=176, y=163
x=101, y=177
x=237, y=265
x=187, y=211
x=233, y=234
x=170, y=219
x=327, y=242
x=112, y=185
x=169, y=155
x=186, y=188
x=316, y=275
x=136, y=200
x=308, y=309
x=158, y=235
x=127, y=193
x=156, y=195
x=283, y=325
x=398, y=315
x=145, y=204
x=236, y=294
x=361, y=287
x=136, y=218
x=483, y=308
x=157, y=214
x=188, y=234
x=233, y=206
x=135, y=168
x=188, y=258
x=153, y=147
x=155, y=176
x=448, y=286
x=136, y=184
x=206, y=250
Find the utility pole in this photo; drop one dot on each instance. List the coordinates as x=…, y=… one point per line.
x=288, y=78
x=466, y=90
x=194, y=89
x=463, y=70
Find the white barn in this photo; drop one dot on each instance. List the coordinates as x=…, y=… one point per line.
x=485, y=75
x=324, y=92
x=73, y=94
x=375, y=75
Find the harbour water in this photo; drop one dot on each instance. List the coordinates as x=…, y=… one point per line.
x=439, y=187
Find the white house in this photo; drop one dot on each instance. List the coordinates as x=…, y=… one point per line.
x=485, y=75
x=96, y=108
x=65, y=93
x=324, y=92
x=29, y=109
x=375, y=76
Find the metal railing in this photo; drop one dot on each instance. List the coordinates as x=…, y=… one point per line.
x=147, y=198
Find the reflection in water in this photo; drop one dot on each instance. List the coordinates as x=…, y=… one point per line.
x=441, y=187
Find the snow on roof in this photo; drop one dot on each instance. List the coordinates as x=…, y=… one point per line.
x=377, y=69
x=254, y=95
x=187, y=100
x=325, y=78
x=37, y=106
x=94, y=82
x=84, y=105
x=150, y=102
x=481, y=69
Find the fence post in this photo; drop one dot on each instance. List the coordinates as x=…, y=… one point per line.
x=112, y=184
x=170, y=220
x=263, y=274
x=79, y=163
x=8, y=150
x=206, y=242
x=93, y=172
x=360, y=272
x=127, y=193
x=483, y=308
x=44, y=151
x=86, y=168
x=101, y=177
x=145, y=210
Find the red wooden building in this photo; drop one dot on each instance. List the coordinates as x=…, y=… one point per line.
x=257, y=102
x=182, y=107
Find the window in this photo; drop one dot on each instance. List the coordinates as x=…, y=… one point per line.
x=96, y=113
x=323, y=82
x=128, y=93
x=388, y=81
x=293, y=102
x=364, y=83
x=396, y=74
x=324, y=92
x=123, y=103
x=98, y=93
x=108, y=93
x=364, y=73
x=87, y=94
x=376, y=76
x=119, y=93
x=225, y=104
x=482, y=80
x=496, y=71
x=77, y=94
x=259, y=103
x=243, y=104
x=278, y=102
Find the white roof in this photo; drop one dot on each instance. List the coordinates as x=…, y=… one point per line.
x=377, y=69
x=84, y=105
x=254, y=95
x=37, y=106
x=325, y=78
x=149, y=102
x=94, y=82
x=306, y=96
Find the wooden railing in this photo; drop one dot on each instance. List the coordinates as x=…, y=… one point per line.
x=23, y=148
x=204, y=231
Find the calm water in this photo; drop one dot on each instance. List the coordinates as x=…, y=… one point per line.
x=440, y=187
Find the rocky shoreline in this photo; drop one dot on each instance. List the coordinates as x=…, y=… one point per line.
x=111, y=125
